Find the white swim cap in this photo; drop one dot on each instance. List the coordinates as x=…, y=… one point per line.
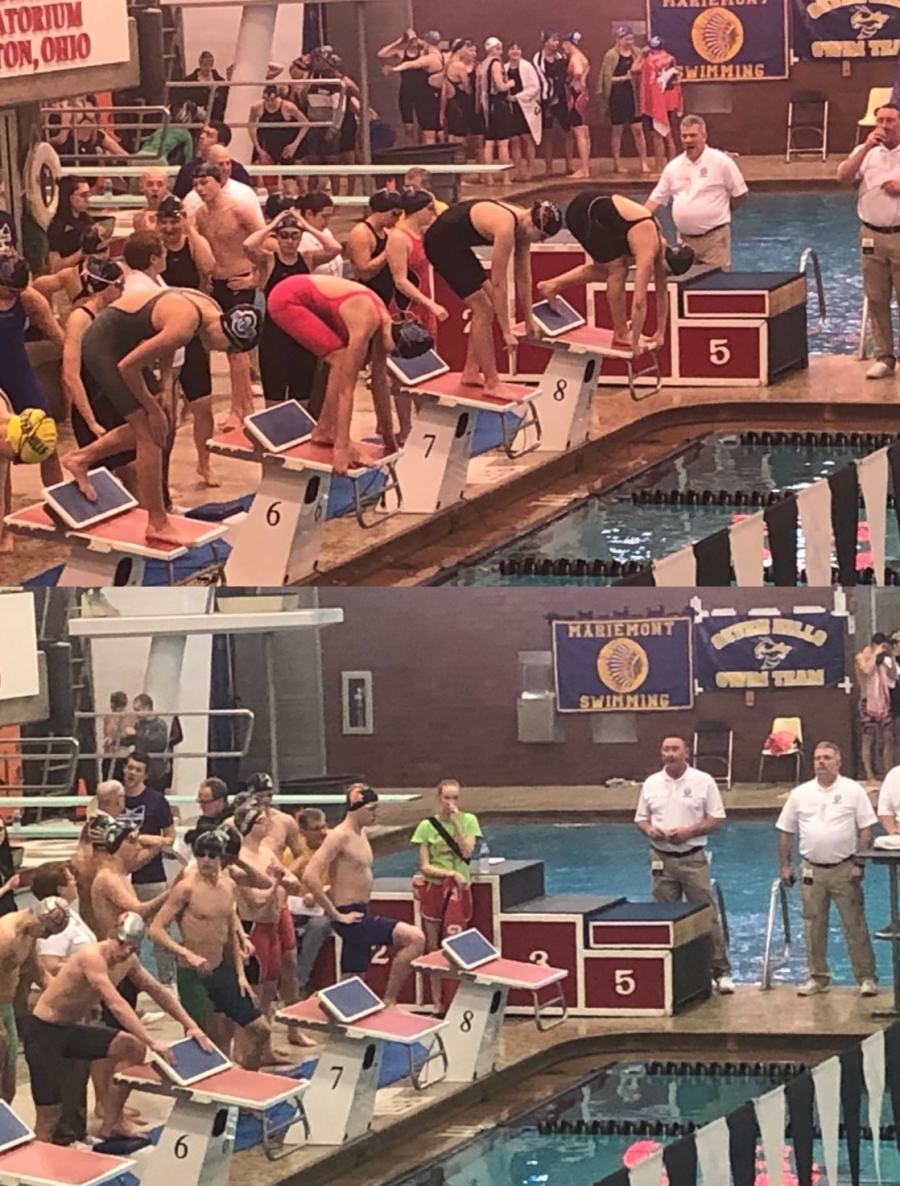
x=54, y=914
x=130, y=929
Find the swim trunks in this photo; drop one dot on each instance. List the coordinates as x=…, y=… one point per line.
x=359, y=939
x=47, y=1049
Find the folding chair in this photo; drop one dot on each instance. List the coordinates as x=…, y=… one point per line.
x=713, y=748
x=807, y=120
x=794, y=726
x=877, y=96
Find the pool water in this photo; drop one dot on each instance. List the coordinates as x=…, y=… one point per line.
x=611, y=858
x=518, y=1154
x=611, y=527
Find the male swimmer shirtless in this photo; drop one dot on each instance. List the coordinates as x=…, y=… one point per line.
x=154, y=187
x=347, y=854
x=212, y=984
x=225, y=223
x=18, y=934
x=56, y=1031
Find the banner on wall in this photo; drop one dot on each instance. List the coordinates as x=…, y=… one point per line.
x=845, y=29
x=730, y=41
x=623, y=664
x=802, y=651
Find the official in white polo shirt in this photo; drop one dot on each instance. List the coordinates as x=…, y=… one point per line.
x=874, y=167
x=704, y=185
x=678, y=808
x=833, y=819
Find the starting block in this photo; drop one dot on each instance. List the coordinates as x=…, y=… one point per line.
x=280, y=540
x=567, y=386
x=434, y=464
x=476, y=1013
x=341, y=1098
x=107, y=537
x=27, y=1162
x=197, y=1143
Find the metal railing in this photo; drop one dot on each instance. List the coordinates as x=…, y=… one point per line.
x=808, y=254
x=336, y=84
x=861, y=349
x=723, y=913
x=106, y=120
x=770, y=964
x=58, y=761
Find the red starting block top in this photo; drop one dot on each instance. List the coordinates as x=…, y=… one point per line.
x=392, y=1025
x=512, y=973
x=239, y=444
x=585, y=339
x=41, y=1164
x=242, y=1089
x=125, y=533
x=448, y=389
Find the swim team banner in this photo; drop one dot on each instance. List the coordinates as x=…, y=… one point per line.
x=623, y=664
x=806, y=651
x=845, y=29
x=731, y=41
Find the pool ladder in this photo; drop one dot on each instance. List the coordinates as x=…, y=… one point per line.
x=806, y=255
x=770, y=964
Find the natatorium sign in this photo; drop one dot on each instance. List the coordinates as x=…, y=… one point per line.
x=66, y=34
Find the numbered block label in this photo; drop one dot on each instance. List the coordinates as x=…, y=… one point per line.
x=547, y=940
x=403, y=909
x=629, y=982
x=722, y=351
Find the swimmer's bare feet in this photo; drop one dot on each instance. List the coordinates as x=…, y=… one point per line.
x=207, y=477
x=492, y=387
x=74, y=462
x=297, y=1038
x=579, y=175
x=471, y=379
x=391, y=441
x=123, y=1128
x=621, y=344
x=276, y=1058
x=229, y=423
x=166, y=532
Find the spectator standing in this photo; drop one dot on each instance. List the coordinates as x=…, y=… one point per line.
x=877, y=674
x=832, y=817
x=212, y=101
x=552, y=66
x=619, y=98
x=678, y=808
x=212, y=799
x=704, y=185
x=527, y=126
x=8, y=238
x=577, y=70
x=150, y=735
x=660, y=97
x=874, y=167
x=149, y=811
x=321, y=250
x=213, y=133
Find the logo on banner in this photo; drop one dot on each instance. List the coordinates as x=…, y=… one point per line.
x=623, y=665
x=846, y=29
x=771, y=652
x=717, y=35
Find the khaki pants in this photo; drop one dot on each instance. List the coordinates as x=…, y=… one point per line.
x=819, y=887
x=712, y=249
x=690, y=876
x=881, y=279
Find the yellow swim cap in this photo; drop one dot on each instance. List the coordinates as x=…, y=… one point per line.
x=32, y=434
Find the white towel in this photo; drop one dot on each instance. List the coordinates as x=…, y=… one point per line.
x=648, y=1172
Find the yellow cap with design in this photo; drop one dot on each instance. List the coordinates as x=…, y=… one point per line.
x=32, y=435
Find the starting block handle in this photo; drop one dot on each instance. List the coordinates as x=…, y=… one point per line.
x=652, y=368
x=366, y=501
x=274, y=1145
x=541, y=1009
x=437, y=1051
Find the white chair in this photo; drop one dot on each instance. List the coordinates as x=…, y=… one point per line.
x=877, y=96
x=794, y=726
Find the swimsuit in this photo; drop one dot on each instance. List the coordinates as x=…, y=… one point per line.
x=195, y=376
x=299, y=307
x=359, y=939
x=448, y=245
x=621, y=98
x=382, y=283
x=286, y=368
x=104, y=413
x=20, y=382
x=417, y=272
x=599, y=227
x=577, y=100
x=273, y=140
x=49, y=1046
x=459, y=110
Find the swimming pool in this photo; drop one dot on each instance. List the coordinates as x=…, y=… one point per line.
x=648, y=1099
x=612, y=858
x=636, y=522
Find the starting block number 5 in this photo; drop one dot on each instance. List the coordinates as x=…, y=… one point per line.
x=624, y=982
x=719, y=352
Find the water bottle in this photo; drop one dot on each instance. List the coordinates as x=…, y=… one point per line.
x=484, y=857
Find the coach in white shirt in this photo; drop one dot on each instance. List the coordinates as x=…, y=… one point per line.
x=833, y=819
x=874, y=167
x=677, y=810
x=704, y=185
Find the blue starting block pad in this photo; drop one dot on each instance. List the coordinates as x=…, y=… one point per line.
x=350, y=1001
x=281, y=427
x=192, y=1062
x=558, y=320
x=76, y=511
x=412, y=371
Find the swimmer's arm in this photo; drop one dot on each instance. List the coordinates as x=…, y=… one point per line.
x=73, y=388
x=500, y=255
x=247, y=877
x=39, y=313
x=48, y=285
x=359, y=249
x=153, y=846
x=419, y=63
x=252, y=125
x=329, y=248
x=295, y=115
x=171, y=911
x=319, y=862
x=125, y=900
x=398, y=259
x=392, y=50
x=57, y=262
x=588, y=273
x=643, y=270
x=661, y=289
x=177, y=332
x=501, y=83
x=255, y=244
x=200, y=250
x=523, y=284
x=167, y=1001
x=97, y=976
x=50, y=965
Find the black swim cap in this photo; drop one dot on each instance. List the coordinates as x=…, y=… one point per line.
x=411, y=339
x=14, y=272
x=360, y=796
x=92, y=242
x=288, y=223
x=116, y=833
x=208, y=844
x=415, y=199
x=275, y=203
x=260, y=782
x=231, y=840
x=246, y=818
x=170, y=207
x=241, y=325
x=385, y=200
x=547, y=218
x=679, y=259
x=100, y=273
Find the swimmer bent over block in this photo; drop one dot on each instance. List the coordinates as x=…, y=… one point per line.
x=347, y=853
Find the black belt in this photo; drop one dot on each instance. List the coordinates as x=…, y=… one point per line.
x=720, y=227
x=833, y=864
x=882, y=230
x=690, y=852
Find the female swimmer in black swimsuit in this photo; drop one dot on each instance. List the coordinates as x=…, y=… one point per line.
x=616, y=231
x=509, y=231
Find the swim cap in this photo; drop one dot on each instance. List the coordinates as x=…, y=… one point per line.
x=208, y=844
x=385, y=200
x=32, y=436
x=624, y=31
x=97, y=828
x=130, y=929
x=246, y=817
x=360, y=796
x=270, y=92
x=411, y=339
x=432, y=37
x=241, y=325
x=98, y=274
x=116, y=833
x=679, y=259
x=546, y=34
x=546, y=217
x=170, y=207
x=275, y=203
x=492, y=43
x=656, y=43
x=289, y=222
x=231, y=840
x=415, y=199
x=573, y=38
x=459, y=43
x=260, y=782
x=14, y=271
x=92, y=242
x=54, y=914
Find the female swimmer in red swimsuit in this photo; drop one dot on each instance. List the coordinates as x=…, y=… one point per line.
x=342, y=322
x=578, y=96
